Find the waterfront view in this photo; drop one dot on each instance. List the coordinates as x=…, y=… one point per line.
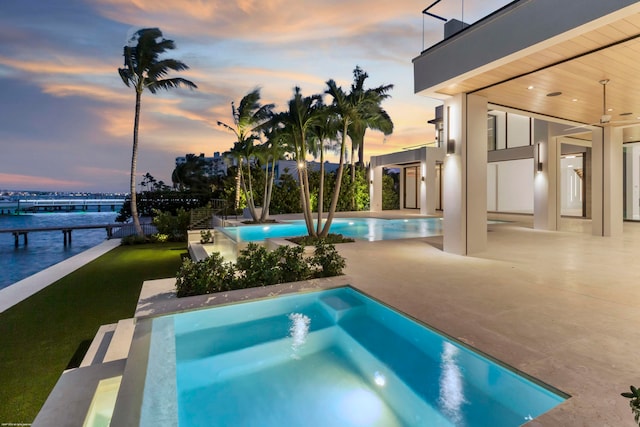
x=46, y=248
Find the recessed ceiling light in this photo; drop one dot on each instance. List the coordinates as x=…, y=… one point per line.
x=530, y=87
x=554, y=94
x=575, y=100
x=609, y=109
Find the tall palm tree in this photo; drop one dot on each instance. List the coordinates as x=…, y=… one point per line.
x=298, y=122
x=269, y=153
x=325, y=131
x=373, y=117
x=143, y=69
x=247, y=120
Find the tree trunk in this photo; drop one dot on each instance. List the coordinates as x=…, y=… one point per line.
x=336, y=191
x=320, y=192
x=304, y=203
x=266, y=200
x=238, y=176
x=134, y=161
x=353, y=177
x=248, y=194
x=361, y=154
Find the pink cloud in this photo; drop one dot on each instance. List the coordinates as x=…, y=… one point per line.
x=34, y=182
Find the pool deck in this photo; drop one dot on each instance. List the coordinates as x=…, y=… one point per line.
x=561, y=306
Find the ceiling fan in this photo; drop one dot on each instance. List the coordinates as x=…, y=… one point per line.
x=605, y=119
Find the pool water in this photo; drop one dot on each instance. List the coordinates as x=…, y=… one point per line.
x=371, y=229
x=324, y=358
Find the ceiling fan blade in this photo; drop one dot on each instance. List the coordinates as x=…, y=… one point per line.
x=583, y=126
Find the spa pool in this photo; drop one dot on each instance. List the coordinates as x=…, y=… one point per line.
x=326, y=358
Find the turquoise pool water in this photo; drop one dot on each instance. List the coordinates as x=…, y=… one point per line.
x=370, y=229
x=329, y=358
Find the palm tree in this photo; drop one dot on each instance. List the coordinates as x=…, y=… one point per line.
x=298, y=122
x=373, y=117
x=190, y=174
x=247, y=119
x=269, y=153
x=143, y=69
x=323, y=133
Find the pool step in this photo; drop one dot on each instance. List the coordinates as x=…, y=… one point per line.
x=338, y=306
x=110, y=343
x=207, y=370
x=99, y=345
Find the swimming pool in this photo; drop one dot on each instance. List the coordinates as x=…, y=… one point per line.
x=371, y=229
x=333, y=357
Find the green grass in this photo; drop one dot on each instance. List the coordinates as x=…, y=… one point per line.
x=40, y=336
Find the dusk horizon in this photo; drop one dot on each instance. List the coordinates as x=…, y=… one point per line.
x=68, y=126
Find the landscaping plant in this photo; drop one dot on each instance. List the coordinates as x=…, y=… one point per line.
x=256, y=266
x=634, y=402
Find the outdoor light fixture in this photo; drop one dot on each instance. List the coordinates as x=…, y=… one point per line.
x=539, y=165
x=451, y=143
x=422, y=179
x=451, y=146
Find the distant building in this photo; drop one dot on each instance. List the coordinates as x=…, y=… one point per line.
x=213, y=166
x=290, y=167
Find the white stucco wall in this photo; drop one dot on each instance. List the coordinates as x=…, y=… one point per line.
x=510, y=186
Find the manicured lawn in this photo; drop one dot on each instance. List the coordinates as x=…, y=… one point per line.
x=39, y=336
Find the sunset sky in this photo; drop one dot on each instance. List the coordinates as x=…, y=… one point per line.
x=66, y=118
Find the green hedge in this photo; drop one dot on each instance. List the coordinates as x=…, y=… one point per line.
x=255, y=267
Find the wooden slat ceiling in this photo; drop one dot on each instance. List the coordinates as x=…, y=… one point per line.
x=573, y=67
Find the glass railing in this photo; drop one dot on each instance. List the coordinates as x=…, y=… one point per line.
x=456, y=15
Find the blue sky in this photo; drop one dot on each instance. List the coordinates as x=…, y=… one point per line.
x=66, y=118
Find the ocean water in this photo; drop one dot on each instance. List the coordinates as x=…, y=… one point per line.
x=46, y=248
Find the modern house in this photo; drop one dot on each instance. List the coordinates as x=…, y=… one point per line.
x=540, y=114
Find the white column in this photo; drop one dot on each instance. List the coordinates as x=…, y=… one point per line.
x=546, y=204
x=425, y=183
x=632, y=178
x=465, y=175
x=607, y=182
x=375, y=189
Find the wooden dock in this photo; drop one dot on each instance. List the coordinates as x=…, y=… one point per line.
x=113, y=230
x=59, y=205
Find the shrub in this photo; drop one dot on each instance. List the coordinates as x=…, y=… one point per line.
x=159, y=238
x=174, y=226
x=205, y=276
x=292, y=264
x=327, y=260
x=634, y=395
x=331, y=238
x=257, y=267
x=206, y=236
x=134, y=239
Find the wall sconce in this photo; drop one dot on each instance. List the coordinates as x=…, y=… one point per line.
x=539, y=164
x=451, y=146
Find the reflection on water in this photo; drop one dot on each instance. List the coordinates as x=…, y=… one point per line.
x=298, y=331
x=451, y=390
